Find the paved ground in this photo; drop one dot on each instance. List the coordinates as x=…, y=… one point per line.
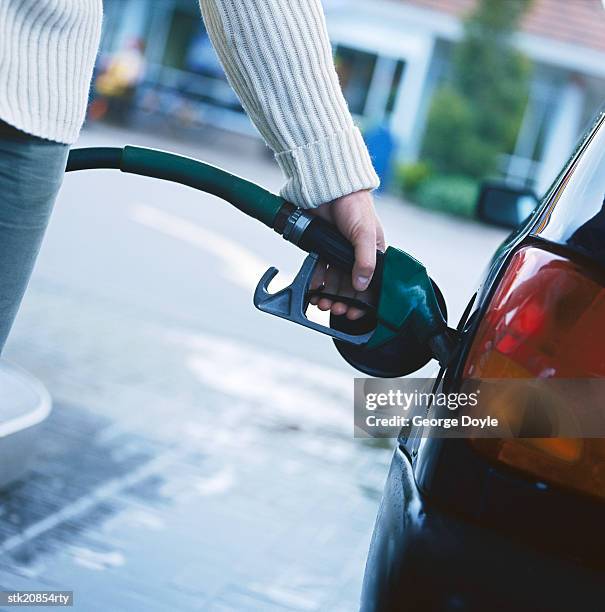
x=199, y=455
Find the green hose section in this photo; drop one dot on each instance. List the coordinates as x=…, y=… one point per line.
x=248, y=197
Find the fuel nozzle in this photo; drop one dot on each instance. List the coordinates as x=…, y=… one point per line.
x=406, y=330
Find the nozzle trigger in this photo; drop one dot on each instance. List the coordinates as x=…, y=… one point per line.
x=291, y=302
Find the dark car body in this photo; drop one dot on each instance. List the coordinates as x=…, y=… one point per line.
x=456, y=532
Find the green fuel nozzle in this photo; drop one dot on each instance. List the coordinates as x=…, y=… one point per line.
x=400, y=335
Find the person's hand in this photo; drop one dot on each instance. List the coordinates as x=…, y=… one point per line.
x=355, y=217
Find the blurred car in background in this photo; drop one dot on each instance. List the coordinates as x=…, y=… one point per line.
x=516, y=524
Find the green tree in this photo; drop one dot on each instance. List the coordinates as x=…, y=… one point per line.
x=477, y=114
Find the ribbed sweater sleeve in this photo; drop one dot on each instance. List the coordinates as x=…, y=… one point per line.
x=278, y=59
x=47, y=54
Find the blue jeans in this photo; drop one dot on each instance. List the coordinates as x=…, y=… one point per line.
x=31, y=172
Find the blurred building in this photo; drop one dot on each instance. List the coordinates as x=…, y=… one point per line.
x=402, y=49
x=183, y=78
x=391, y=55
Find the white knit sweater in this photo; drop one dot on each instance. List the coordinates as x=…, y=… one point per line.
x=276, y=54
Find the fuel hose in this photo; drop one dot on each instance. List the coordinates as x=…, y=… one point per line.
x=308, y=232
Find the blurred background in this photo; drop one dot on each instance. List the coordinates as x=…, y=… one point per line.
x=515, y=83
x=190, y=453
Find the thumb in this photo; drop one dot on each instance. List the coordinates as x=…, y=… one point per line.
x=364, y=242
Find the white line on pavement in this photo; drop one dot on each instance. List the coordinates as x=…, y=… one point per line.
x=90, y=500
x=242, y=266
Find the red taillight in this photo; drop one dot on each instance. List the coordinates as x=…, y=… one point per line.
x=546, y=320
x=547, y=317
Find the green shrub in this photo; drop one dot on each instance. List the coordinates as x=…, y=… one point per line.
x=449, y=132
x=453, y=194
x=475, y=115
x=411, y=175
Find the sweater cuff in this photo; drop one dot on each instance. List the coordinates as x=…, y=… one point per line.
x=327, y=169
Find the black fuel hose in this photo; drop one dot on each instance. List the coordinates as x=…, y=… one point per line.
x=93, y=158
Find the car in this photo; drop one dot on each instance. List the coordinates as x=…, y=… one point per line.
x=24, y=411
x=510, y=524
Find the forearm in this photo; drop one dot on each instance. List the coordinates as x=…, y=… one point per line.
x=278, y=58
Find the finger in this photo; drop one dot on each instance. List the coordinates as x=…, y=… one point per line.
x=365, y=256
x=331, y=286
x=340, y=308
x=318, y=279
x=354, y=313
x=346, y=290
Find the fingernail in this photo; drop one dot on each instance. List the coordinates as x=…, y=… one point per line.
x=362, y=282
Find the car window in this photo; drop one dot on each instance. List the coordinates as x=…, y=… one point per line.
x=576, y=215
